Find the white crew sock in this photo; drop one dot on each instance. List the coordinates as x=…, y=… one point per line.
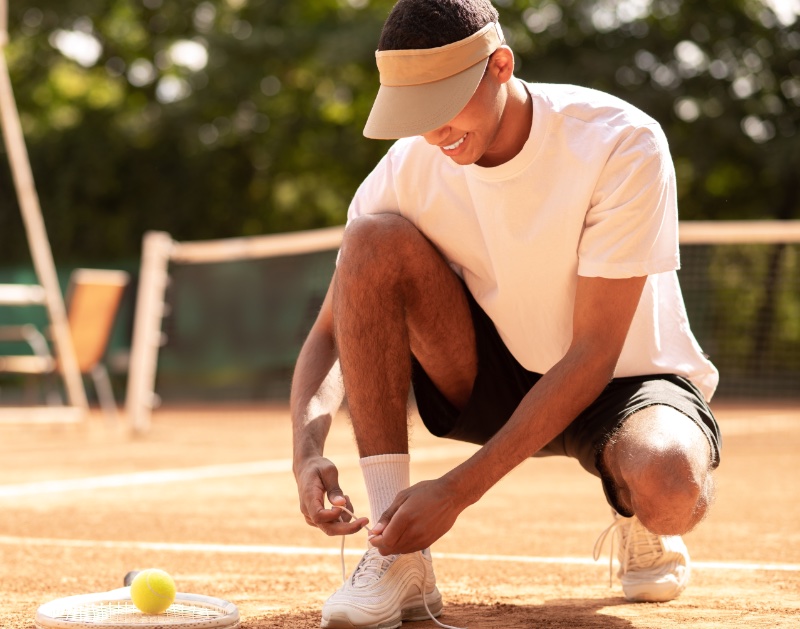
x=385, y=475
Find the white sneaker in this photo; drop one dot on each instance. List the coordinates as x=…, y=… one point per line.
x=653, y=568
x=383, y=591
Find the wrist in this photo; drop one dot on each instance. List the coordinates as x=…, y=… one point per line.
x=463, y=486
x=303, y=456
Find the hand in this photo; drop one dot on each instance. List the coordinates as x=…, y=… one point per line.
x=418, y=517
x=317, y=478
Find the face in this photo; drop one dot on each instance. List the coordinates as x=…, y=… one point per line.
x=471, y=137
x=495, y=123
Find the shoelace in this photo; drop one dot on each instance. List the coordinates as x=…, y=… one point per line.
x=598, y=547
x=643, y=547
x=373, y=567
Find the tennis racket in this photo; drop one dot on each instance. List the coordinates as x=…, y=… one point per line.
x=115, y=610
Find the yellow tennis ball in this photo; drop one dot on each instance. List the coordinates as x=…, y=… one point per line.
x=152, y=591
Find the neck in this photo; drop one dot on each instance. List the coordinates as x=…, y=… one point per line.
x=514, y=128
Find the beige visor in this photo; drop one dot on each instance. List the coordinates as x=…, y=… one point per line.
x=426, y=88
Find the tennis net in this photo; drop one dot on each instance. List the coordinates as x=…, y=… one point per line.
x=741, y=284
x=225, y=320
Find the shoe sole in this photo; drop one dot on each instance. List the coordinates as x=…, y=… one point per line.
x=408, y=614
x=652, y=592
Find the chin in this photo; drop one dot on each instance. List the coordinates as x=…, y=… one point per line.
x=466, y=159
x=461, y=161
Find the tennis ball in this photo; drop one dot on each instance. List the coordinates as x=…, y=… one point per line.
x=152, y=591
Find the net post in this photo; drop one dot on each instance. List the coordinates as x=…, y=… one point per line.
x=153, y=278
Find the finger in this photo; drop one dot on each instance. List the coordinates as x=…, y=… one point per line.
x=386, y=547
x=386, y=516
x=330, y=479
x=337, y=499
x=384, y=537
x=344, y=505
x=320, y=515
x=349, y=504
x=326, y=516
x=391, y=534
x=343, y=528
x=377, y=542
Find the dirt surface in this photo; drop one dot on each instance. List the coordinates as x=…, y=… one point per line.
x=208, y=495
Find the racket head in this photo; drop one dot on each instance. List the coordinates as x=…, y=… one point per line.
x=115, y=610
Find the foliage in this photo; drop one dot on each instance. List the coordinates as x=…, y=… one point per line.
x=205, y=119
x=220, y=118
x=722, y=77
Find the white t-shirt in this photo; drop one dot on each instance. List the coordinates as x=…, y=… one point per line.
x=592, y=193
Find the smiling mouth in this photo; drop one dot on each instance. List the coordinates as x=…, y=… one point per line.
x=456, y=144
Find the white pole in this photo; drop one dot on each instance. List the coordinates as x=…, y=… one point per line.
x=35, y=229
x=3, y=22
x=153, y=278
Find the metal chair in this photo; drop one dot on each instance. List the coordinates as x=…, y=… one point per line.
x=93, y=299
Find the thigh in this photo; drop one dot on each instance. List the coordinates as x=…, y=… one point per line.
x=385, y=255
x=499, y=386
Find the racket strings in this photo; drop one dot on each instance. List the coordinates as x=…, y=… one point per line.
x=424, y=572
x=98, y=613
x=127, y=611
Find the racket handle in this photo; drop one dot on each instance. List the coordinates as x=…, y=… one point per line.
x=130, y=577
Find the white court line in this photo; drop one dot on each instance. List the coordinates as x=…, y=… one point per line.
x=158, y=477
x=279, y=466
x=275, y=467
x=247, y=549
x=155, y=477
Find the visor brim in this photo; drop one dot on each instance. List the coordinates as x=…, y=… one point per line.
x=401, y=112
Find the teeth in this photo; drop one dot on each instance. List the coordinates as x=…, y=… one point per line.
x=455, y=145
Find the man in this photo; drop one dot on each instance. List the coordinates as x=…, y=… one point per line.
x=514, y=257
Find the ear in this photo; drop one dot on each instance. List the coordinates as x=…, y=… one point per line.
x=501, y=64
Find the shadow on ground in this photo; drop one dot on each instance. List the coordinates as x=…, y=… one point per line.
x=557, y=614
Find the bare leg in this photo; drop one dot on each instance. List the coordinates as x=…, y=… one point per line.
x=393, y=295
x=660, y=463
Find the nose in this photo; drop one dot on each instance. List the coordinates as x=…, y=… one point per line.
x=437, y=136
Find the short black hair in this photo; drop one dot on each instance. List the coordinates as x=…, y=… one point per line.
x=414, y=24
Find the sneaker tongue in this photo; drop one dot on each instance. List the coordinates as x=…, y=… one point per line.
x=371, y=568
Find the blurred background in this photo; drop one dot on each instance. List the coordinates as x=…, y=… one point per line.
x=228, y=118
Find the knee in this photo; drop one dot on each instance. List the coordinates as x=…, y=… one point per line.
x=665, y=469
x=376, y=242
x=378, y=258
x=669, y=493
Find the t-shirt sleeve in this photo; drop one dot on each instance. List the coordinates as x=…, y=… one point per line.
x=631, y=228
x=376, y=194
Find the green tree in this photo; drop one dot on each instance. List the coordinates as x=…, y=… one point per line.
x=222, y=118
x=722, y=77
x=205, y=119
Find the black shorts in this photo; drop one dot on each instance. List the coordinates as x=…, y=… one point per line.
x=502, y=382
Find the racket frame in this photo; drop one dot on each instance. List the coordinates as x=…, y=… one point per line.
x=50, y=614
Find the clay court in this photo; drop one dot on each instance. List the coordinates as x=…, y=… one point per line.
x=208, y=495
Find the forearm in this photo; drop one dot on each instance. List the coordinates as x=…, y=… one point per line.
x=317, y=393
x=548, y=408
